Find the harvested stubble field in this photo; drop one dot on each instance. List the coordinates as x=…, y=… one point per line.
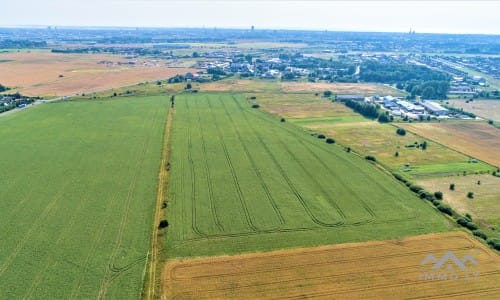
x=476, y=139
x=37, y=74
x=79, y=183
x=484, y=207
x=242, y=181
x=339, y=88
x=488, y=109
x=372, y=270
x=301, y=106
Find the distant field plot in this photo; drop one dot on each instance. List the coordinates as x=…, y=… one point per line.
x=39, y=74
x=484, y=207
x=488, y=109
x=304, y=106
x=381, y=140
x=79, y=183
x=339, y=88
x=476, y=139
x=242, y=181
x=389, y=269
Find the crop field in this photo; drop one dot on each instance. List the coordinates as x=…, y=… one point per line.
x=390, y=269
x=79, y=182
x=483, y=208
x=488, y=109
x=38, y=74
x=242, y=181
x=476, y=139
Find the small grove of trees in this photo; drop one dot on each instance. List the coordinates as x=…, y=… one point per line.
x=366, y=109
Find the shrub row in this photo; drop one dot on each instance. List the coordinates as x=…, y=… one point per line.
x=461, y=220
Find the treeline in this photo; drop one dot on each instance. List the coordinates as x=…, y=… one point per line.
x=14, y=44
x=3, y=88
x=434, y=89
x=366, y=109
x=373, y=71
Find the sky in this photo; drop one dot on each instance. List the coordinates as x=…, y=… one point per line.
x=372, y=15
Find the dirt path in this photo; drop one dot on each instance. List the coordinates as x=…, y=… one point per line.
x=151, y=283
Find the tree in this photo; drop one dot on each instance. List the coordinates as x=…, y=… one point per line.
x=452, y=187
x=330, y=141
x=188, y=86
x=196, y=54
x=401, y=131
x=327, y=93
x=383, y=118
x=396, y=154
x=163, y=224
x=428, y=93
x=438, y=195
x=470, y=195
x=424, y=145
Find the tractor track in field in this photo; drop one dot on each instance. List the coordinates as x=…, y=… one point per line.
x=304, y=169
x=34, y=227
x=254, y=167
x=213, y=208
x=108, y=276
x=236, y=182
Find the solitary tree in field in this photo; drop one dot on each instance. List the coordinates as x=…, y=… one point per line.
x=452, y=187
x=470, y=195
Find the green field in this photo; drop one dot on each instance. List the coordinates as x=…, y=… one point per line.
x=78, y=190
x=242, y=181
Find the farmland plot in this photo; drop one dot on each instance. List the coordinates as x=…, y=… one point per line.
x=389, y=269
x=78, y=191
x=242, y=181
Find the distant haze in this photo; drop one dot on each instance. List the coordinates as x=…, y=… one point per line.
x=393, y=16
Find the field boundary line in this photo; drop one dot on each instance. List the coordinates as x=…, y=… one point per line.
x=163, y=176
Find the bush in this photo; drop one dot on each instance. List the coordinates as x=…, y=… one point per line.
x=445, y=209
x=330, y=141
x=462, y=221
x=370, y=157
x=253, y=97
x=416, y=188
x=396, y=154
x=282, y=120
x=494, y=243
x=348, y=149
x=436, y=202
x=401, y=131
x=468, y=216
x=471, y=226
x=327, y=93
x=480, y=234
x=321, y=136
x=163, y=224
x=452, y=187
x=438, y=195
x=255, y=106
x=470, y=195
